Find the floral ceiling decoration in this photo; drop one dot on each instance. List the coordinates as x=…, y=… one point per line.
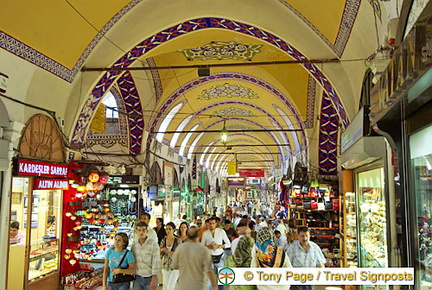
x=232, y=112
x=227, y=91
x=238, y=127
x=222, y=50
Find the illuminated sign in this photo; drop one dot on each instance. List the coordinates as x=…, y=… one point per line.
x=251, y=172
x=40, y=168
x=43, y=184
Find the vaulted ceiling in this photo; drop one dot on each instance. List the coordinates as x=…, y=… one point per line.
x=276, y=67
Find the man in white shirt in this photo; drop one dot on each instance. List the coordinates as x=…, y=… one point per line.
x=216, y=240
x=147, y=258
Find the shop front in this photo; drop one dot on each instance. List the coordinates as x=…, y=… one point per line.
x=401, y=110
x=39, y=179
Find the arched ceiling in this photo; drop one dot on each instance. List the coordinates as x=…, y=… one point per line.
x=271, y=108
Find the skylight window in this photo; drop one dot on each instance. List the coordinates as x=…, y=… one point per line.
x=110, y=102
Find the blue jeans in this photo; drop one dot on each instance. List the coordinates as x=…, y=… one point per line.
x=142, y=283
x=217, y=267
x=119, y=286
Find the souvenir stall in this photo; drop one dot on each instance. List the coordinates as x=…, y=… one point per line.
x=39, y=182
x=101, y=206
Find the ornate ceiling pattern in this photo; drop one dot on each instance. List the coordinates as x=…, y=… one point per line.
x=275, y=70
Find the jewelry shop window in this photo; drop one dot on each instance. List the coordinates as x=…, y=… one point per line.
x=421, y=169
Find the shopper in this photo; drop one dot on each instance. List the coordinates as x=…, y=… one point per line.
x=147, y=254
x=145, y=217
x=216, y=240
x=194, y=263
x=266, y=254
x=182, y=232
x=160, y=229
x=16, y=236
x=305, y=254
x=112, y=265
x=168, y=245
x=281, y=240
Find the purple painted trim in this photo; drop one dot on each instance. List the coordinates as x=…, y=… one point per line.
x=181, y=29
x=33, y=56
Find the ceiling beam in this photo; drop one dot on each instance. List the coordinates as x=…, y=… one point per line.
x=258, y=63
x=230, y=131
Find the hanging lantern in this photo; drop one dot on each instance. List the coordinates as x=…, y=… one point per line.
x=81, y=188
x=93, y=177
x=68, y=250
x=72, y=261
x=68, y=214
x=73, y=217
x=90, y=186
x=78, y=195
x=103, y=178
x=66, y=256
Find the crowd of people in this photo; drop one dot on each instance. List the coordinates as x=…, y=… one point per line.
x=187, y=255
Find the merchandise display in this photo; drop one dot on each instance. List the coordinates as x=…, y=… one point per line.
x=372, y=216
x=86, y=278
x=318, y=208
x=423, y=175
x=349, y=229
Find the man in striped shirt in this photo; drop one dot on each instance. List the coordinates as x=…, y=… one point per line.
x=147, y=259
x=305, y=254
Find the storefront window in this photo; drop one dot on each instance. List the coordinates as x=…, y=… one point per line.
x=44, y=240
x=421, y=163
x=37, y=214
x=372, y=218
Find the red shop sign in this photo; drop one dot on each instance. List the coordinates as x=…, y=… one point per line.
x=40, y=168
x=251, y=172
x=42, y=184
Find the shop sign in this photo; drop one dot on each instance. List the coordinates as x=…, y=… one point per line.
x=39, y=168
x=232, y=167
x=406, y=66
x=124, y=179
x=43, y=184
x=251, y=172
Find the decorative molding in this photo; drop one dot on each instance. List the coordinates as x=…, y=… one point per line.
x=37, y=58
x=157, y=82
x=310, y=106
x=181, y=29
x=107, y=143
x=134, y=111
x=227, y=91
x=348, y=18
x=232, y=112
x=328, y=137
x=222, y=50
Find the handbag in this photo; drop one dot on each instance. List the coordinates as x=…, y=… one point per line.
x=314, y=205
x=122, y=278
x=216, y=258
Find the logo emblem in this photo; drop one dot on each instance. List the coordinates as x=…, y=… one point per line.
x=226, y=276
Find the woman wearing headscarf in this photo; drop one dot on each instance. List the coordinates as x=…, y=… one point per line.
x=265, y=254
x=241, y=258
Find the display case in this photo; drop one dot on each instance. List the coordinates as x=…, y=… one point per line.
x=421, y=168
x=39, y=215
x=372, y=224
x=350, y=231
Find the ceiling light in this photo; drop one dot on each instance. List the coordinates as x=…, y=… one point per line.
x=224, y=135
